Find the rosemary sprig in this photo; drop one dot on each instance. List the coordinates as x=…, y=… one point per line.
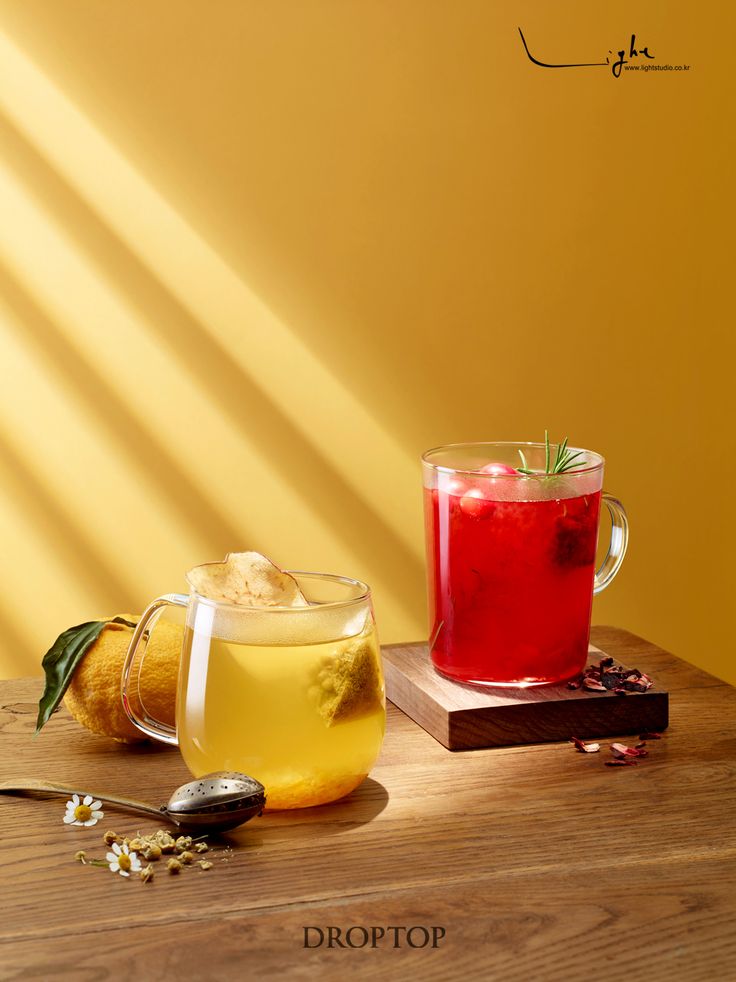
x=564, y=459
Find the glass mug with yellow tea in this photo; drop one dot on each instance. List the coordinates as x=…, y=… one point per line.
x=292, y=696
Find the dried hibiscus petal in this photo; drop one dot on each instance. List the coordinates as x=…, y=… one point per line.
x=586, y=748
x=593, y=685
x=607, y=676
x=621, y=750
x=575, y=683
x=639, y=685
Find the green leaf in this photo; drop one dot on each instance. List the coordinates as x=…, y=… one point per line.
x=61, y=660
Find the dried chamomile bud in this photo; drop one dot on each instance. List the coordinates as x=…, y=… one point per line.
x=166, y=842
x=109, y=837
x=152, y=851
x=183, y=842
x=146, y=874
x=204, y=864
x=201, y=847
x=173, y=866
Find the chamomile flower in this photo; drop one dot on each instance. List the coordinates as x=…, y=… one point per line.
x=85, y=812
x=122, y=861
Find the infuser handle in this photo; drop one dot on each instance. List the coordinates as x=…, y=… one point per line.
x=31, y=784
x=148, y=725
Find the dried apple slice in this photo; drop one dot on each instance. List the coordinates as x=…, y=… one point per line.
x=247, y=579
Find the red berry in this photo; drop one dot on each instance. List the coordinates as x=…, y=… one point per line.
x=472, y=504
x=456, y=486
x=498, y=470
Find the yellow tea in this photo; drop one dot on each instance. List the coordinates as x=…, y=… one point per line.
x=305, y=719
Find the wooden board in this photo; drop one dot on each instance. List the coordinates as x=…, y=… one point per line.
x=465, y=717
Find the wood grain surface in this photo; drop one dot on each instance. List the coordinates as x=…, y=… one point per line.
x=539, y=862
x=465, y=717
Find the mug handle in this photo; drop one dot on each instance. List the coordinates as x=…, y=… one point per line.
x=617, y=546
x=151, y=727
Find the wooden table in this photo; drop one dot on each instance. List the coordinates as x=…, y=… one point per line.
x=538, y=862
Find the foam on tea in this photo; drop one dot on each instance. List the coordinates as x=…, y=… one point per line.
x=513, y=487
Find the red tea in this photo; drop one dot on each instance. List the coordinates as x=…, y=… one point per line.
x=510, y=581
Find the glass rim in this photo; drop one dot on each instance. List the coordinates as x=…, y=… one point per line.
x=364, y=595
x=573, y=472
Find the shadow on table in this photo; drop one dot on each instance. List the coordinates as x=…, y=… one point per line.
x=358, y=808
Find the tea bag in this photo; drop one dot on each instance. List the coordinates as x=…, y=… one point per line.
x=247, y=579
x=347, y=683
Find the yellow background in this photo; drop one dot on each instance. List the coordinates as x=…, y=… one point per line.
x=255, y=257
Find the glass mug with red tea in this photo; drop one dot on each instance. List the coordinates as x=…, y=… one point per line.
x=284, y=685
x=511, y=535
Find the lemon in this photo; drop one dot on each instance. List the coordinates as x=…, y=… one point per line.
x=93, y=697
